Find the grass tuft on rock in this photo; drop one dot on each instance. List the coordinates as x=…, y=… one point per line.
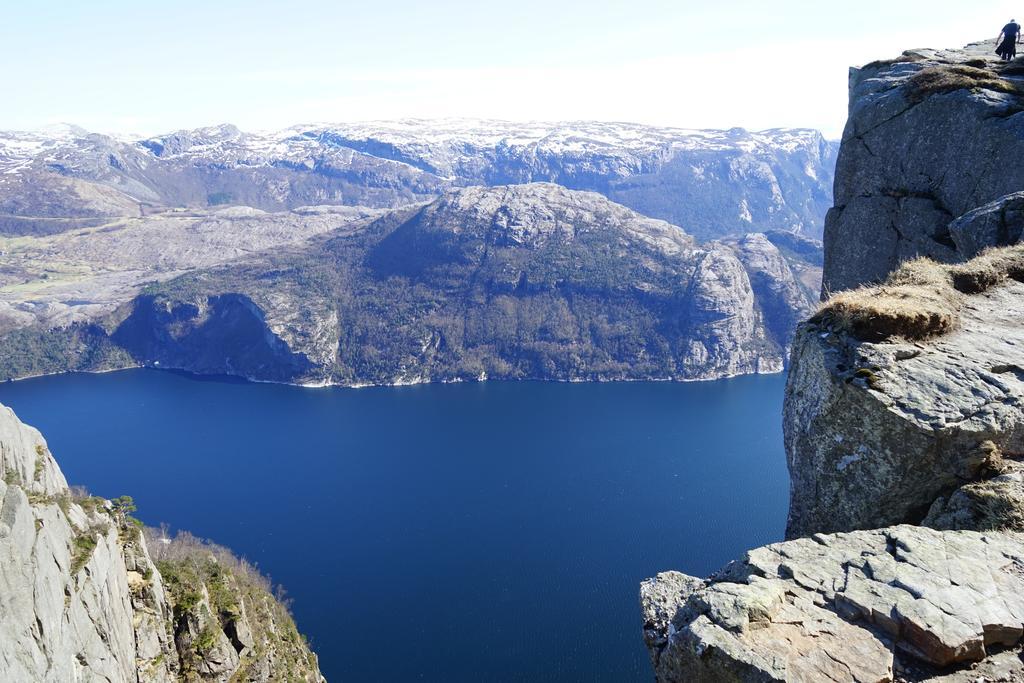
x=935, y=80
x=83, y=546
x=906, y=57
x=921, y=299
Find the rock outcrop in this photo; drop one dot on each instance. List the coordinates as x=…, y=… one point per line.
x=878, y=431
x=904, y=413
x=932, y=136
x=904, y=603
x=82, y=598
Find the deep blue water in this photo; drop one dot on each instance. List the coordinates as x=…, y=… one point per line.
x=473, y=532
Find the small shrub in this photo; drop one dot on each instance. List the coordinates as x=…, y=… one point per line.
x=63, y=501
x=37, y=471
x=84, y=545
x=206, y=639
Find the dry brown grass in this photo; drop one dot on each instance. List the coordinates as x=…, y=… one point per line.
x=988, y=269
x=934, y=80
x=902, y=59
x=922, y=299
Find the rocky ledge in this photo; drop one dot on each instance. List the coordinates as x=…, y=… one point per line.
x=932, y=136
x=84, y=598
x=904, y=413
x=904, y=603
x=904, y=406
x=905, y=403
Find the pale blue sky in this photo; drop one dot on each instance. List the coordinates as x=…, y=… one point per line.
x=147, y=67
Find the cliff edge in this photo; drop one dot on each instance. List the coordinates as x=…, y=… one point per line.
x=904, y=413
x=906, y=397
x=932, y=136
x=84, y=598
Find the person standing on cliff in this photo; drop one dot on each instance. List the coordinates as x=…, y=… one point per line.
x=1006, y=43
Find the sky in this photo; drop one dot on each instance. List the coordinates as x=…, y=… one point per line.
x=129, y=66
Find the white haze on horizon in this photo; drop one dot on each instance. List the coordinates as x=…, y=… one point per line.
x=120, y=68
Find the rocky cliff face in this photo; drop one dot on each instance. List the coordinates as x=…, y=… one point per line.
x=82, y=598
x=525, y=281
x=905, y=405
x=932, y=136
x=878, y=431
x=904, y=415
x=711, y=182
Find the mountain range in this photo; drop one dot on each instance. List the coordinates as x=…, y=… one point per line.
x=712, y=183
x=411, y=251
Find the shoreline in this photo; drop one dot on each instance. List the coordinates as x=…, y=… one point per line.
x=327, y=384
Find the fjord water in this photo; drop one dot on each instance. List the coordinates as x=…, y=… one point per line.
x=472, y=532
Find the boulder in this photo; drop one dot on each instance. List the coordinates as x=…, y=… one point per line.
x=996, y=224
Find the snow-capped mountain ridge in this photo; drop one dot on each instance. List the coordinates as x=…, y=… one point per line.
x=421, y=135
x=710, y=182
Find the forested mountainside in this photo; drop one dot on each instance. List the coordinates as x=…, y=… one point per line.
x=516, y=282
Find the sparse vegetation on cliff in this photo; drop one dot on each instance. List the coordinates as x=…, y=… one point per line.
x=84, y=545
x=944, y=78
x=222, y=605
x=907, y=56
x=921, y=299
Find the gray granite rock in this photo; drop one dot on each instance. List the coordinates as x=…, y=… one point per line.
x=912, y=161
x=782, y=295
x=996, y=224
x=898, y=603
x=875, y=433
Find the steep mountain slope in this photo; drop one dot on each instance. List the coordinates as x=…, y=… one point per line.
x=712, y=183
x=530, y=281
x=85, y=599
